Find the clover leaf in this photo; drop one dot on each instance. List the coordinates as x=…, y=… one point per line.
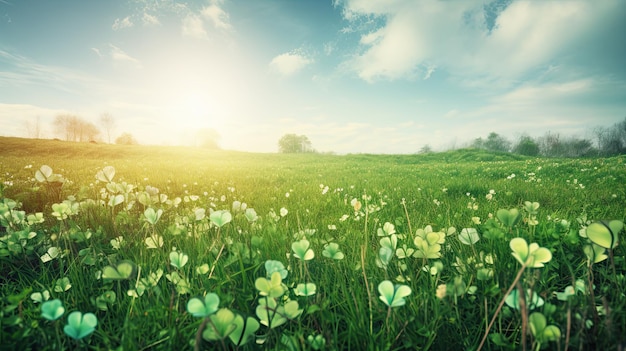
x=220, y=218
x=332, y=251
x=468, y=236
x=79, y=325
x=122, y=271
x=203, y=308
x=508, y=217
x=178, y=259
x=52, y=310
x=302, y=251
x=531, y=255
x=270, y=288
x=244, y=330
x=393, y=295
x=272, y=266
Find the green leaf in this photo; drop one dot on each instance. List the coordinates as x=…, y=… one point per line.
x=270, y=314
x=301, y=250
x=79, y=325
x=222, y=324
x=106, y=174
x=595, y=253
x=178, y=259
x=537, y=322
x=123, y=270
x=393, y=296
x=512, y=300
x=220, y=218
x=271, y=288
x=509, y=218
x=308, y=289
x=105, y=300
x=154, y=242
x=43, y=174
x=152, y=216
x=469, y=236
x=272, y=266
x=52, y=310
x=244, y=330
x=115, y=200
x=604, y=233
x=62, y=285
x=40, y=296
x=203, y=308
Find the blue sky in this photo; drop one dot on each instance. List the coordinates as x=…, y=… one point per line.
x=376, y=76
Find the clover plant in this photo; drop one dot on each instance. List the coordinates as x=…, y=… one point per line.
x=80, y=325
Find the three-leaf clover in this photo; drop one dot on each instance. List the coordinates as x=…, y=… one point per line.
x=332, y=251
x=302, y=251
x=393, y=295
x=79, y=325
x=272, y=287
x=530, y=255
x=203, y=308
x=220, y=218
x=52, y=310
x=178, y=259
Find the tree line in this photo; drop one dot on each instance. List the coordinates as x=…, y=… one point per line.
x=70, y=127
x=606, y=141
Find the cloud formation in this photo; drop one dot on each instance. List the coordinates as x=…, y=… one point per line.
x=118, y=54
x=122, y=23
x=290, y=63
x=402, y=39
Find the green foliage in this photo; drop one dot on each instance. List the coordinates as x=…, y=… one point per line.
x=293, y=143
x=172, y=255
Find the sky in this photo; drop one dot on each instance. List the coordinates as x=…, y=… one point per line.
x=354, y=76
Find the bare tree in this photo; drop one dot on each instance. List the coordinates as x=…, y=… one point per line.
x=33, y=128
x=74, y=128
x=108, y=123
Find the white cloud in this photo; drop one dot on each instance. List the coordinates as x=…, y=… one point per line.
x=122, y=23
x=194, y=27
x=150, y=20
x=290, y=63
x=217, y=16
x=405, y=38
x=118, y=54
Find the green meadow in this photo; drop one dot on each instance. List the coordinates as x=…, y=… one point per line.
x=111, y=247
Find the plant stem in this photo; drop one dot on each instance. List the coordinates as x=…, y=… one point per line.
x=367, y=288
x=493, y=319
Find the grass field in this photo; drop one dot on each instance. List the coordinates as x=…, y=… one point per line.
x=158, y=248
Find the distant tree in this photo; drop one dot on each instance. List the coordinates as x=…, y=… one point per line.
x=526, y=146
x=478, y=143
x=612, y=140
x=426, y=149
x=74, y=128
x=207, y=138
x=126, y=139
x=495, y=142
x=292, y=143
x=108, y=123
x=33, y=128
x=550, y=145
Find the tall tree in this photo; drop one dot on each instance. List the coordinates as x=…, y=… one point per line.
x=293, y=143
x=526, y=146
x=108, y=123
x=74, y=128
x=126, y=139
x=496, y=142
x=33, y=128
